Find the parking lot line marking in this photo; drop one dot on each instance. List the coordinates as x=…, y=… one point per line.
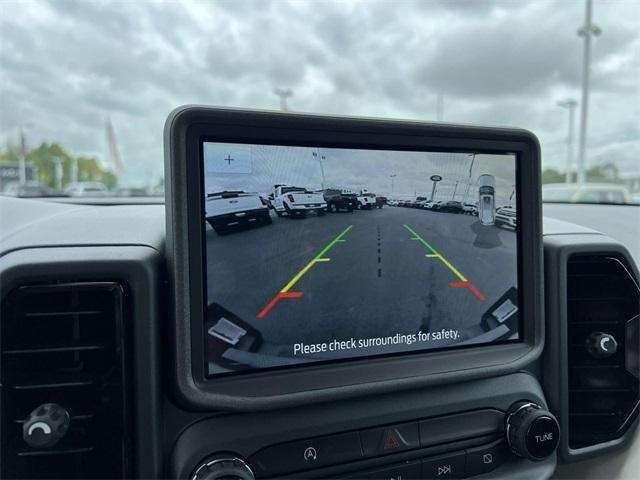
x=284, y=292
x=463, y=280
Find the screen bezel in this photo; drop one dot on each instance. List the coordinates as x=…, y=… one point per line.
x=185, y=131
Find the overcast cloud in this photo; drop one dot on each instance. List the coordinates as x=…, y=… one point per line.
x=68, y=65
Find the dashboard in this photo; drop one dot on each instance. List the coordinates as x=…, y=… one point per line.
x=116, y=365
x=47, y=243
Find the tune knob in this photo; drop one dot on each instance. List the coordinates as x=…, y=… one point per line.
x=532, y=431
x=223, y=467
x=45, y=426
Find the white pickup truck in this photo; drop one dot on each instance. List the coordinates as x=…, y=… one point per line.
x=296, y=201
x=366, y=200
x=228, y=209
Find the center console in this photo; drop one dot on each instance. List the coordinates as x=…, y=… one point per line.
x=456, y=431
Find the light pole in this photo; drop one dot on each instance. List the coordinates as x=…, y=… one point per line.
x=283, y=93
x=320, y=158
x=455, y=190
x=466, y=192
x=570, y=104
x=392, y=177
x=585, y=31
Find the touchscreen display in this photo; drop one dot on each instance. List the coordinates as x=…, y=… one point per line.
x=329, y=254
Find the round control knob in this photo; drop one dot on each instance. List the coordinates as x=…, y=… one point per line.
x=601, y=345
x=532, y=432
x=46, y=426
x=223, y=467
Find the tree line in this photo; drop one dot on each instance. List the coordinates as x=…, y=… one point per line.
x=605, y=173
x=43, y=158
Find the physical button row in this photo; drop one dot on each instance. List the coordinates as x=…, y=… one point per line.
x=460, y=464
x=352, y=446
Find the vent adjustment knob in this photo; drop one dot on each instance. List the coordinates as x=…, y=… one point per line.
x=532, y=431
x=601, y=345
x=46, y=426
x=223, y=467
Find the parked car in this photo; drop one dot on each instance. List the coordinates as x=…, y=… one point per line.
x=86, y=189
x=421, y=204
x=340, y=200
x=381, y=201
x=228, y=209
x=132, y=192
x=419, y=201
x=451, y=206
x=31, y=189
x=392, y=203
x=409, y=203
x=506, y=216
x=435, y=206
x=297, y=201
x=470, y=209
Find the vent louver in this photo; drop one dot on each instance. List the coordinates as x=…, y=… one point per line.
x=602, y=296
x=65, y=344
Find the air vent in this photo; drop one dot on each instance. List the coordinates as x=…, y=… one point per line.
x=603, y=300
x=65, y=344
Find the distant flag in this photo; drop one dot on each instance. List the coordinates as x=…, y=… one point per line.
x=114, y=155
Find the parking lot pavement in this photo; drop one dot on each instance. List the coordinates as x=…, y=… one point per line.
x=361, y=274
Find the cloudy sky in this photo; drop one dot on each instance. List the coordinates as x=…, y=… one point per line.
x=66, y=66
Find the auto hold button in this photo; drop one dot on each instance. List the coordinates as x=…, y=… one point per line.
x=306, y=454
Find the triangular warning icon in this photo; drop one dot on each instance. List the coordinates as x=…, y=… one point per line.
x=391, y=441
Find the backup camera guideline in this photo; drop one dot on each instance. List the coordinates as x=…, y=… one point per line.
x=463, y=282
x=308, y=264
x=285, y=293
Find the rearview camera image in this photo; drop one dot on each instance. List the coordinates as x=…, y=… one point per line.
x=329, y=254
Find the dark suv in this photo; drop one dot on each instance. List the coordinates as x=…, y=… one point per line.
x=451, y=207
x=338, y=200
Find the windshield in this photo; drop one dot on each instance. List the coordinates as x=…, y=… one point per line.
x=87, y=85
